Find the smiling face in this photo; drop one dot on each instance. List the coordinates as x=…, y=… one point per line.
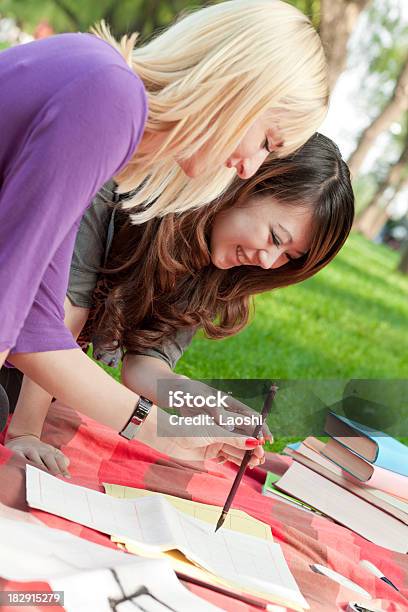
x=261, y=232
x=262, y=138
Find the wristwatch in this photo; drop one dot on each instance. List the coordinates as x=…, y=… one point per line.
x=137, y=419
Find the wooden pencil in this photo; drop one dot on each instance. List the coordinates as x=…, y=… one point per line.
x=265, y=411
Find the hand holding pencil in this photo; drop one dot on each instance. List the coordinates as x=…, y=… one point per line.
x=265, y=411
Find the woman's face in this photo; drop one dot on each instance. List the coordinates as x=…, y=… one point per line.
x=262, y=138
x=260, y=232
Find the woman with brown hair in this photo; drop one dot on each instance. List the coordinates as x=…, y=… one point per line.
x=164, y=279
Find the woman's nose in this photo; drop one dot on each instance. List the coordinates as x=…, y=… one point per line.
x=248, y=166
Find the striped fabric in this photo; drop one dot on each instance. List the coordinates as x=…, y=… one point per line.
x=99, y=455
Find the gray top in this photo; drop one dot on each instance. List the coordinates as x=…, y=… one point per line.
x=92, y=246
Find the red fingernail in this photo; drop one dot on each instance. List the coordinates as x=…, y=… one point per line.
x=251, y=443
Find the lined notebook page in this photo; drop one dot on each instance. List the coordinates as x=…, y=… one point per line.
x=127, y=518
x=154, y=522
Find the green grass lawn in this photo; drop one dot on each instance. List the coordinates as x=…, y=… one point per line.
x=349, y=321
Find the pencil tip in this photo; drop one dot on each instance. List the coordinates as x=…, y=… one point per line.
x=220, y=521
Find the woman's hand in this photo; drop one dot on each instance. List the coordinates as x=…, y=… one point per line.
x=197, y=443
x=220, y=449
x=41, y=454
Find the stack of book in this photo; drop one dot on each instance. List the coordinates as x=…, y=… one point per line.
x=359, y=478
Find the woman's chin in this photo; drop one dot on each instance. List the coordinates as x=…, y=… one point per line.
x=221, y=263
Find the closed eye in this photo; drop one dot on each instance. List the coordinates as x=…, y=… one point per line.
x=277, y=242
x=275, y=239
x=265, y=145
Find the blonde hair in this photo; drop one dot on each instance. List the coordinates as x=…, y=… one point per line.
x=208, y=77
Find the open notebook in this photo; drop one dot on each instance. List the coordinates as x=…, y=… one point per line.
x=237, y=520
x=254, y=565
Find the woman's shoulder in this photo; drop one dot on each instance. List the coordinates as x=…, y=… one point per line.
x=75, y=49
x=66, y=59
x=95, y=85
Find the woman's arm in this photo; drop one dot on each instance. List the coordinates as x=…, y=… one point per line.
x=97, y=395
x=33, y=402
x=143, y=373
x=93, y=393
x=75, y=380
x=24, y=432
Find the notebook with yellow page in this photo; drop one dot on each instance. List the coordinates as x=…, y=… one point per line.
x=237, y=520
x=284, y=591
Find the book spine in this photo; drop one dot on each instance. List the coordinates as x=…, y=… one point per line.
x=357, y=433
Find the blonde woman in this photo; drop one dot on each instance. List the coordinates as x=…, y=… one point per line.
x=210, y=97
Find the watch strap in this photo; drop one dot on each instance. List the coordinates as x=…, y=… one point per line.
x=137, y=418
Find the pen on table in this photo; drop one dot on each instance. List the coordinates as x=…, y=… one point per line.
x=340, y=579
x=247, y=456
x=376, y=572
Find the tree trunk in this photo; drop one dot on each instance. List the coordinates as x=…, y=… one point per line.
x=403, y=264
x=396, y=106
x=373, y=217
x=337, y=21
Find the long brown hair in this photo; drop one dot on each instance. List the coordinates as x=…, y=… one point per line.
x=160, y=276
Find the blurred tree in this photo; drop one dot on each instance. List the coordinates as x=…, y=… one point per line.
x=371, y=219
x=142, y=16
x=337, y=22
x=403, y=264
x=391, y=112
x=381, y=98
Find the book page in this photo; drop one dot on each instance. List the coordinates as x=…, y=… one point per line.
x=345, y=507
x=243, y=561
x=140, y=520
x=236, y=520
